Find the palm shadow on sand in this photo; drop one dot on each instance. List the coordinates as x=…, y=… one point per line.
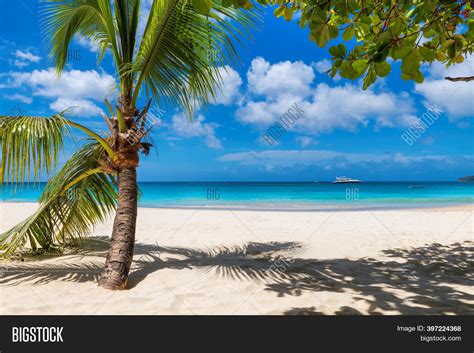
x=427, y=275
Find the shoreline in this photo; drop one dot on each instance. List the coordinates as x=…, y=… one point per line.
x=299, y=208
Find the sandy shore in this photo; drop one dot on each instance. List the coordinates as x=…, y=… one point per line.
x=249, y=262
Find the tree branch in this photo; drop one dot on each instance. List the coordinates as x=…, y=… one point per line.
x=457, y=79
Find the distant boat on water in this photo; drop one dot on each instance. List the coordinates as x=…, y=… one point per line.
x=346, y=180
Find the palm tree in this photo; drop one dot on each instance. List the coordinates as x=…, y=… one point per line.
x=168, y=61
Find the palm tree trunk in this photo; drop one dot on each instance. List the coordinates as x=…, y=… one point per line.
x=120, y=255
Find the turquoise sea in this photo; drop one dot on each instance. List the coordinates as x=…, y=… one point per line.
x=286, y=195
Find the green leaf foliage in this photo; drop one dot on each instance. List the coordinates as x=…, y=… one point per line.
x=383, y=29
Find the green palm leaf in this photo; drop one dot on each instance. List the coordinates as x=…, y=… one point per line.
x=77, y=198
x=30, y=144
x=63, y=19
x=172, y=60
x=33, y=145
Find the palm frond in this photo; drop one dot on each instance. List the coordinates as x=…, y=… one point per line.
x=80, y=196
x=63, y=19
x=30, y=145
x=33, y=144
x=126, y=17
x=172, y=60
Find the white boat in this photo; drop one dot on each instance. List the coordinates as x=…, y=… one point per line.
x=346, y=180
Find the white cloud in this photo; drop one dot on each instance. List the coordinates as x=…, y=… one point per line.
x=348, y=106
x=27, y=56
x=263, y=113
x=453, y=97
x=196, y=128
x=74, y=84
x=305, y=141
x=72, y=88
x=400, y=158
x=19, y=97
x=24, y=58
x=145, y=8
x=87, y=43
x=229, y=93
x=323, y=66
x=290, y=158
x=428, y=141
x=328, y=108
x=282, y=79
x=325, y=107
x=229, y=90
x=20, y=63
x=77, y=107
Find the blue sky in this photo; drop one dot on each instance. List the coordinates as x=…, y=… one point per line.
x=342, y=130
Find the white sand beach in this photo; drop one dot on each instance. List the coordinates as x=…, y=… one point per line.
x=254, y=262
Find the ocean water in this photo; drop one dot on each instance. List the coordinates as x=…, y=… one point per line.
x=275, y=195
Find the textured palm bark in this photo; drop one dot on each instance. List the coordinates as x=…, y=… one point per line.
x=120, y=255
